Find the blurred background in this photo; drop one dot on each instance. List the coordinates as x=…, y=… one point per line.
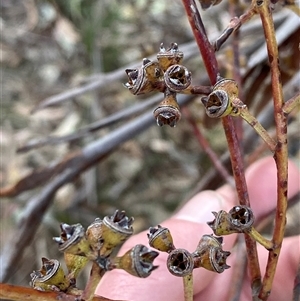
x=63, y=68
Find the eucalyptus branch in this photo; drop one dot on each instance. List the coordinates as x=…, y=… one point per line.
x=281, y=152
x=211, y=65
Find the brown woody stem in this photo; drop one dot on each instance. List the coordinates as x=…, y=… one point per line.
x=235, y=23
x=281, y=152
x=20, y=293
x=206, y=49
x=211, y=65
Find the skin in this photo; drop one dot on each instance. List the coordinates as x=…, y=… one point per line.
x=189, y=224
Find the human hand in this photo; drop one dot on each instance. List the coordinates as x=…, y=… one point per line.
x=189, y=224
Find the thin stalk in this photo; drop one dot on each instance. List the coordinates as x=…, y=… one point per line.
x=268, y=244
x=281, y=152
x=235, y=23
x=260, y=130
x=211, y=65
x=96, y=274
x=188, y=287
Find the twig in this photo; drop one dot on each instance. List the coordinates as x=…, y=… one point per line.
x=211, y=65
x=281, y=153
x=268, y=244
x=235, y=23
x=20, y=293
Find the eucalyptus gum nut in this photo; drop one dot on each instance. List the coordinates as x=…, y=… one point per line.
x=180, y=262
x=72, y=240
x=168, y=110
x=147, y=78
x=137, y=261
x=161, y=239
x=94, y=234
x=212, y=259
x=239, y=219
x=221, y=225
x=115, y=230
x=50, y=277
x=177, y=78
x=169, y=57
x=220, y=102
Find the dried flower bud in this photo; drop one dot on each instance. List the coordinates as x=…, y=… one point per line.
x=138, y=261
x=169, y=57
x=239, y=219
x=161, y=239
x=145, y=79
x=177, y=78
x=75, y=264
x=168, y=111
x=94, y=234
x=219, y=102
x=115, y=230
x=211, y=258
x=72, y=240
x=180, y=262
x=50, y=277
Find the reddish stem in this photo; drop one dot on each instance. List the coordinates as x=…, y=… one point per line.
x=211, y=65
